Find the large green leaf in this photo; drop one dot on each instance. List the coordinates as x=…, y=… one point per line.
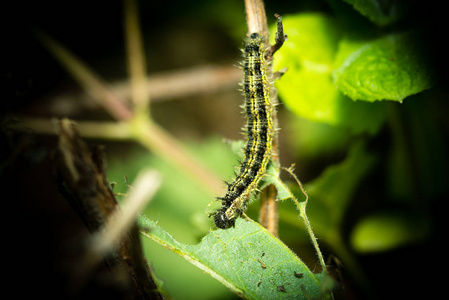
x=307, y=88
x=380, y=12
x=247, y=259
x=391, y=67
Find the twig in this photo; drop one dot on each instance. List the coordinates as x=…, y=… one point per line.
x=136, y=58
x=279, y=39
x=164, y=86
x=90, y=129
x=144, y=188
x=189, y=82
x=91, y=83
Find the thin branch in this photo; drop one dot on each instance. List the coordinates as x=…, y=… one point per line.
x=118, y=223
x=91, y=83
x=164, y=86
x=190, y=82
x=279, y=39
x=90, y=129
x=136, y=58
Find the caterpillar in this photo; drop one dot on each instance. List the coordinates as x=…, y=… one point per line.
x=259, y=132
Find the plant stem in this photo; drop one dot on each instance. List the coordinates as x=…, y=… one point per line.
x=136, y=58
x=312, y=236
x=114, y=131
x=302, y=213
x=256, y=17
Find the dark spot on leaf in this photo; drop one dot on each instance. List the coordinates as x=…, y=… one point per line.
x=281, y=288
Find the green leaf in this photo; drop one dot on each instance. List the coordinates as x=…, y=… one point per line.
x=380, y=12
x=331, y=193
x=307, y=88
x=247, y=259
x=391, y=67
x=388, y=230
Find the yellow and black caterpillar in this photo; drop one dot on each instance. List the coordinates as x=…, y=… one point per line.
x=259, y=131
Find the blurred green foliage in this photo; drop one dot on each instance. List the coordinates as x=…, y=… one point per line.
x=386, y=230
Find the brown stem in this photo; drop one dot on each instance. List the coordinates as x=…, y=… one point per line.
x=256, y=18
x=164, y=86
x=268, y=213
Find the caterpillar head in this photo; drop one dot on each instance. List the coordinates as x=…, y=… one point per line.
x=222, y=220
